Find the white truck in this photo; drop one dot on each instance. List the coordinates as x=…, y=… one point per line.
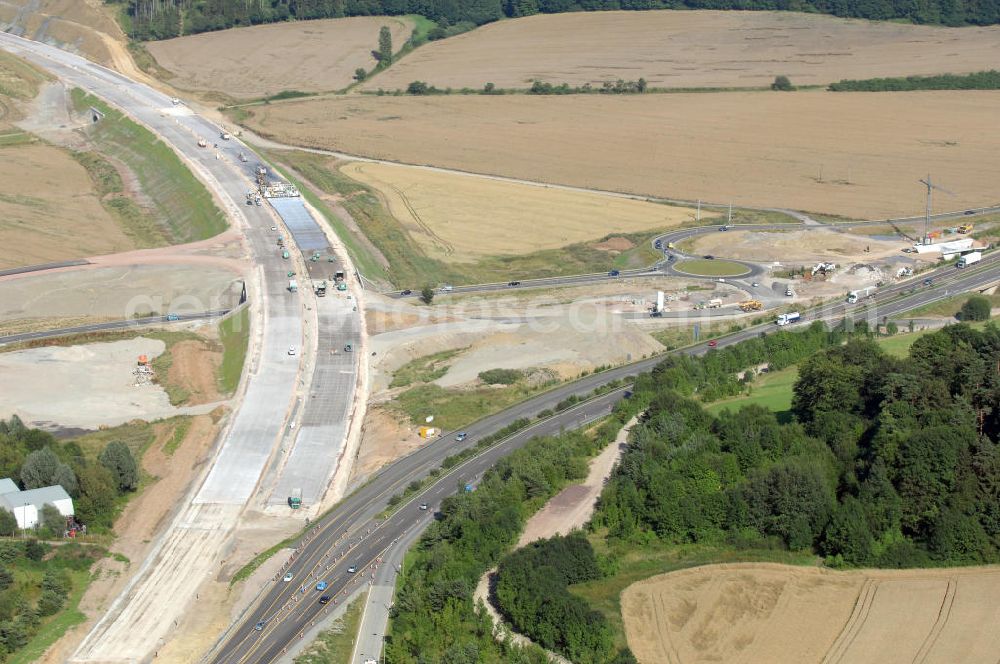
x=292, y=285
x=969, y=259
x=856, y=295
x=787, y=319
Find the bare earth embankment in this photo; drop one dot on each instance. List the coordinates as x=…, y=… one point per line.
x=689, y=49
x=310, y=56
x=762, y=613
x=854, y=154
x=80, y=26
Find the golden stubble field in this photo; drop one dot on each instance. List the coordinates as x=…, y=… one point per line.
x=49, y=210
x=685, y=49
x=854, y=154
x=763, y=613
x=462, y=218
x=311, y=56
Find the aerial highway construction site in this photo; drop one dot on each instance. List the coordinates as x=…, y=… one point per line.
x=283, y=382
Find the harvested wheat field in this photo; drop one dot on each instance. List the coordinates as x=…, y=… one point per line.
x=764, y=613
x=691, y=49
x=49, y=210
x=311, y=56
x=464, y=218
x=792, y=246
x=855, y=154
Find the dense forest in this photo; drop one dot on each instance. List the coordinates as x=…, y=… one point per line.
x=161, y=19
x=888, y=462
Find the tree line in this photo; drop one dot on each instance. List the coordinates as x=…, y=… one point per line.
x=983, y=80
x=162, y=19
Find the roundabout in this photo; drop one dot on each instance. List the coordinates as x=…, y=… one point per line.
x=702, y=267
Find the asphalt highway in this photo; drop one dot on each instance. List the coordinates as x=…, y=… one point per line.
x=113, y=325
x=350, y=535
x=665, y=267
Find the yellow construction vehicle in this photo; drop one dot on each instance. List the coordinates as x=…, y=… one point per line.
x=751, y=305
x=965, y=228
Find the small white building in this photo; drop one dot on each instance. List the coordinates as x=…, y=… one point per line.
x=26, y=506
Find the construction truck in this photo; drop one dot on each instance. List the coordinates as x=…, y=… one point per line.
x=320, y=288
x=243, y=158
x=965, y=228
x=225, y=135
x=751, y=305
x=295, y=499
x=292, y=286
x=202, y=143
x=788, y=319
x=338, y=275
x=969, y=258
x=856, y=295
x=715, y=303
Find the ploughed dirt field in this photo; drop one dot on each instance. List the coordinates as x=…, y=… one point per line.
x=690, y=49
x=775, y=613
x=49, y=210
x=310, y=56
x=854, y=154
x=463, y=218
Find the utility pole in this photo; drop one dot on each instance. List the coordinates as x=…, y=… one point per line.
x=699, y=210
x=729, y=219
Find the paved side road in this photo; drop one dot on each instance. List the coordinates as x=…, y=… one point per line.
x=113, y=325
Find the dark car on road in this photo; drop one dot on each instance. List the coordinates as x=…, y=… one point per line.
x=614, y=273
x=709, y=257
x=407, y=292
x=325, y=599
x=513, y=283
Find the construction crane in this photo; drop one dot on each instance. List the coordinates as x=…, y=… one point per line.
x=927, y=211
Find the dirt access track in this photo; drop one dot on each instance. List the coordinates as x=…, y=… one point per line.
x=691, y=49
x=461, y=218
x=855, y=154
x=310, y=56
x=763, y=613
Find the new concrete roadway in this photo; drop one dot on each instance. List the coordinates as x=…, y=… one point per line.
x=188, y=551
x=351, y=536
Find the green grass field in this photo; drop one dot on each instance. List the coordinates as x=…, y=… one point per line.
x=180, y=204
x=772, y=390
x=711, y=268
x=235, y=334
